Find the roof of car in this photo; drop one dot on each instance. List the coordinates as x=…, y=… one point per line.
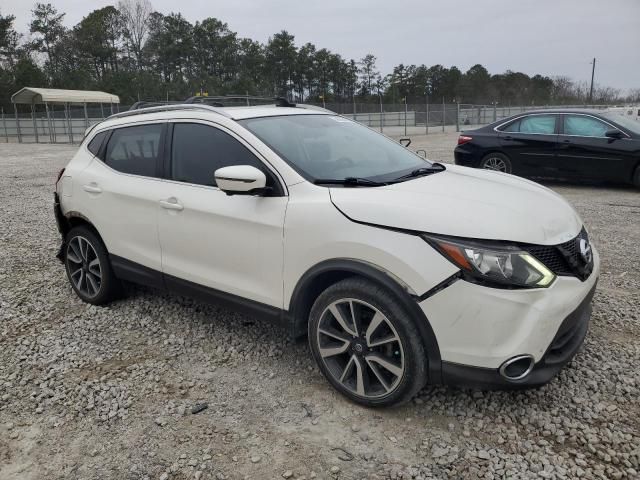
x=565, y=110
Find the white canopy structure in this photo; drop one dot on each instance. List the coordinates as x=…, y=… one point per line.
x=30, y=95
x=52, y=99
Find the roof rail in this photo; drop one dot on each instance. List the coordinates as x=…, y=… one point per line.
x=307, y=106
x=166, y=108
x=217, y=100
x=143, y=104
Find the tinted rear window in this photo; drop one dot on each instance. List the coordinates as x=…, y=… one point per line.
x=135, y=150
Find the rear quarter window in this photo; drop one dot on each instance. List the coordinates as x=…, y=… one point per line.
x=96, y=142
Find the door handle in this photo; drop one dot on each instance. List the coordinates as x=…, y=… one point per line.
x=171, y=204
x=508, y=137
x=92, y=188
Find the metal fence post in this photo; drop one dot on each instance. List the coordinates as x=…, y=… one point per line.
x=15, y=109
x=405, y=115
x=4, y=125
x=381, y=115
x=444, y=111
x=457, y=116
x=52, y=131
x=426, y=115
x=102, y=111
x=495, y=111
x=86, y=117
x=67, y=110
x=35, y=124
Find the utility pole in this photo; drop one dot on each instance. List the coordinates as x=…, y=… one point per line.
x=593, y=71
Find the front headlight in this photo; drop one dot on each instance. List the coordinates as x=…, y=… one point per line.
x=502, y=266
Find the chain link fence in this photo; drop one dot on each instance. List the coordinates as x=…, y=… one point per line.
x=62, y=124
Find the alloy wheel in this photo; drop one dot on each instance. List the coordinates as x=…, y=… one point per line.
x=84, y=266
x=360, y=348
x=495, y=163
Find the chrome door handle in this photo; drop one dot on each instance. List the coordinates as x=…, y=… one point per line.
x=92, y=188
x=171, y=204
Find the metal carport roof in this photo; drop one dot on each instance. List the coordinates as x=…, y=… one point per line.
x=32, y=95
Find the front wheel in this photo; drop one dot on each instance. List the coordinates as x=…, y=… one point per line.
x=366, y=345
x=496, y=161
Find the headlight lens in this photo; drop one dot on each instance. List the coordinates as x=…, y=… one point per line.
x=503, y=266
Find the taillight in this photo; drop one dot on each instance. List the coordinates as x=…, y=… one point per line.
x=59, y=176
x=462, y=139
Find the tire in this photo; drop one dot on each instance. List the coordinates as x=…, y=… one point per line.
x=393, y=341
x=496, y=161
x=88, y=268
x=636, y=177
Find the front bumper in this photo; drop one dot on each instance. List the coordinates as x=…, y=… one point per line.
x=563, y=348
x=478, y=328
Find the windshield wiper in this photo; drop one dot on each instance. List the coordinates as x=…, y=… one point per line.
x=349, y=181
x=422, y=171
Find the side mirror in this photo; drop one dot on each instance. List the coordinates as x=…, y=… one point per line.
x=241, y=180
x=613, y=134
x=405, y=142
x=422, y=153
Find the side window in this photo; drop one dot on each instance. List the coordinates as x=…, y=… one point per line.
x=584, y=126
x=135, y=150
x=199, y=150
x=542, y=124
x=512, y=127
x=96, y=142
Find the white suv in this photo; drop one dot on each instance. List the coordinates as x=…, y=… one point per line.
x=402, y=272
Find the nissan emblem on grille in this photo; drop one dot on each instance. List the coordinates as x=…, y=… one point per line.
x=585, y=251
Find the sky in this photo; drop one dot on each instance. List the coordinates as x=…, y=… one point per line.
x=550, y=37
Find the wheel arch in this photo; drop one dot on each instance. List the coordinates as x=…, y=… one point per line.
x=319, y=277
x=77, y=219
x=71, y=220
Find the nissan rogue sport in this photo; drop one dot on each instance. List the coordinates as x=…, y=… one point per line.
x=400, y=271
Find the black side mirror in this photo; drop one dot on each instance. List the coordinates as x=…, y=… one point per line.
x=405, y=142
x=613, y=134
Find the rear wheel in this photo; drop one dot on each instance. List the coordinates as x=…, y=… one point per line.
x=366, y=345
x=88, y=267
x=496, y=161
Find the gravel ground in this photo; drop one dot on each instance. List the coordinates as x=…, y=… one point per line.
x=109, y=392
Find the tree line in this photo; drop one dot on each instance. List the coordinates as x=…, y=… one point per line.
x=140, y=54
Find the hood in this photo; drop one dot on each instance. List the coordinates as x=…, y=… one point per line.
x=465, y=202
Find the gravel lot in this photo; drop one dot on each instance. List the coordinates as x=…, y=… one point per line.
x=96, y=393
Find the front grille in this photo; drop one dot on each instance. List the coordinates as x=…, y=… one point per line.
x=564, y=259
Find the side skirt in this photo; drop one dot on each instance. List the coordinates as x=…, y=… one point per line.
x=133, y=272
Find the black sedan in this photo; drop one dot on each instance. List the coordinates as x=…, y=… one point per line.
x=558, y=144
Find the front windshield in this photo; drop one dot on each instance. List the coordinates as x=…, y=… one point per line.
x=630, y=124
x=333, y=147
